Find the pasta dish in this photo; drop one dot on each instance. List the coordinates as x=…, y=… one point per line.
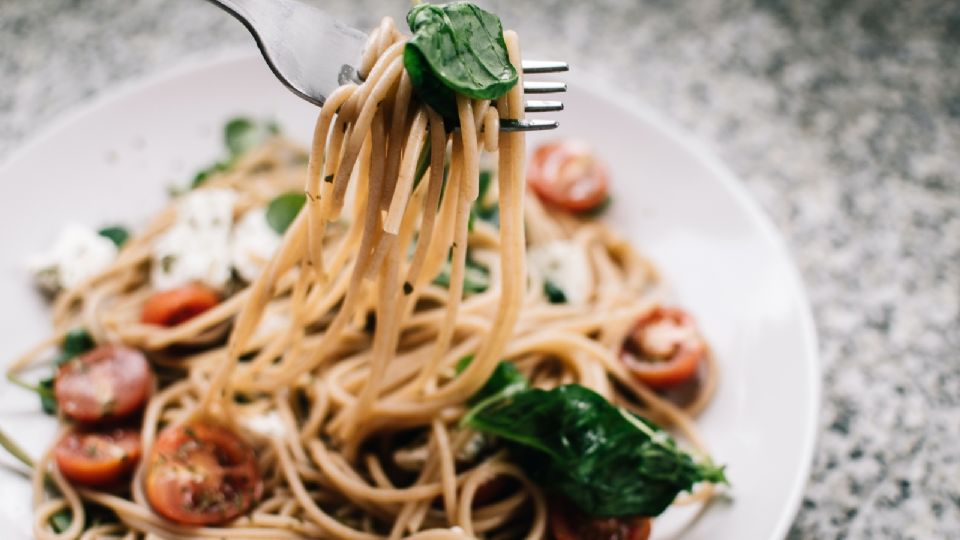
x=405, y=330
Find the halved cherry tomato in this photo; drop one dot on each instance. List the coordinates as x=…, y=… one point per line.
x=107, y=383
x=664, y=349
x=98, y=459
x=201, y=474
x=174, y=306
x=567, y=174
x=568, y=523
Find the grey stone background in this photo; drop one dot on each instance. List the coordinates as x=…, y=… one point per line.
x=842, y=118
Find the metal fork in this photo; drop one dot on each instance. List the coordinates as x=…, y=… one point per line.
x=312, y=54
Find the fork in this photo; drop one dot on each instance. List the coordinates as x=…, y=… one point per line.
x=313, y=54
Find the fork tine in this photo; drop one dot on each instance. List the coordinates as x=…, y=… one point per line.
x=543, y=87
x=527, y=125
x=544, y=66
x=536, y=105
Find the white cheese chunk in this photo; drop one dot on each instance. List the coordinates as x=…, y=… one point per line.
x=252, y=244
x=77, y=254
x=566, y=266
x=269, y=424
x=197, y=245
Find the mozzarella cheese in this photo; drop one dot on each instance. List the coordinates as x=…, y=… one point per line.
x=78, y=253
x=252, y=244
x=565, y=265
x=269, y=424
x=197, y=245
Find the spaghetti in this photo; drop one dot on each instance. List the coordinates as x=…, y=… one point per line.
x=365, y=440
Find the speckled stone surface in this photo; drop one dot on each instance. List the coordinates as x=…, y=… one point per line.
x=841, y=116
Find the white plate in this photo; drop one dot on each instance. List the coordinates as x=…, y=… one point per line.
x=113, y=161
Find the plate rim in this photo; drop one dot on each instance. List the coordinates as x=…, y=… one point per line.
x=601, y=89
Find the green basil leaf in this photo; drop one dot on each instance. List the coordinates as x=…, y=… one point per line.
x=456, y=48
x=48, y=400
x=240, y=135
x=471, y=219
x=505, y=381
x=480, y=209
x=61, y=520
x=283, y=209
x=243, y=134
x=476, y=278
x=43, y=389
x=608, y=462
x=485, y=179
x=117, y=234
x=95, y=515
x=554, y=294
x=423, y=163
x=463, y=363
x=76, y=342
x=205, y=173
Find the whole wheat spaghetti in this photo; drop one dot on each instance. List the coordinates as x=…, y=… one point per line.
x=349, y=345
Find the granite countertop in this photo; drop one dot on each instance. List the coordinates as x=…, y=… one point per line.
x=841, y=117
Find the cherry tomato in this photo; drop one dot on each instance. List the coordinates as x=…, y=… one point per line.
x=568, y=523
x=664, y=349
x=175, y=306
x=98, y=459
x=201, y=474
x=107, y=383
x=567, y=174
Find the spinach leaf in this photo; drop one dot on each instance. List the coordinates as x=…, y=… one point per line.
x=243, y=134
x=95, y=515
x=240, y=135
x=117, y=234
x=206, y=172
x=463, y=363
x=476, y=278
x=505, y=381
x=283, y=209
x=423, y=163
x=480, y=208
x=456, y=48
x=554, y=294
x=608, y=462
x=61, y=520
x=48, y=400
x=43, y=389
x=484, y=181
x=75, y=343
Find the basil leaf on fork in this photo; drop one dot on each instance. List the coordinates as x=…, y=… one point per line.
x=456, y=48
